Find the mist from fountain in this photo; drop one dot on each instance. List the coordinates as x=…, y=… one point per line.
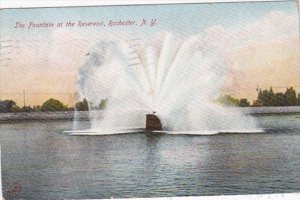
x=178, y=79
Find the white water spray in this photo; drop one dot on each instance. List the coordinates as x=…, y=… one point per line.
x=178, y=79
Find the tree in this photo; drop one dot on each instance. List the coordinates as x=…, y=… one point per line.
x=244, y=103
x=271, y=97
x=53, y=105
x=102, y=104
x=265, y=98
x=299, y=99
x=290, y=97
x=7, y=106
x=16, y=109
x=280, y=99
x=262, y=97
x=228, y=100
x=257, y=103
x=82, y=105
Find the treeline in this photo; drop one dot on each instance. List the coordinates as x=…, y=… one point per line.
x=269, y=98
x=265, y=98
x=51, y=104
x=8, y=106
x=228, y=100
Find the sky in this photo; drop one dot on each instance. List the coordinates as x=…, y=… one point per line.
x=263, y=47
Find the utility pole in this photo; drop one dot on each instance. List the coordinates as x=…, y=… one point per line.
x=24, y=100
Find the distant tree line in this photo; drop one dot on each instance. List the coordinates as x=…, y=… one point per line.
x=228, y=100
x=49, y=105
x=265, y=98
x=270, y=98
x=9, y=106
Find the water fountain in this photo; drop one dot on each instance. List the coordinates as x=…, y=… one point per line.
x=172, y=81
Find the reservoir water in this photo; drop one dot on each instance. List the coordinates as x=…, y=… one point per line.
x=46, y=163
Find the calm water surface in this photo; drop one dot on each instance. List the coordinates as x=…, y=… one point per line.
x=46, y=163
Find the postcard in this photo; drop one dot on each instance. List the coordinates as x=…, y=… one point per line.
x=150, y=100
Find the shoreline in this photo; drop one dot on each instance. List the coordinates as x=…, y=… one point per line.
x=44, y=116
x=284, y=110
x=85, y=115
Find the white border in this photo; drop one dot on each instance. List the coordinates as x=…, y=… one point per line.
x=73, y=3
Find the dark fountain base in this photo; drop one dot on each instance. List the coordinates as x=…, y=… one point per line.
x=153, y=123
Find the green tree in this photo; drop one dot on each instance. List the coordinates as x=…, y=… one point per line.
x=82, y=105
x=16, y=109
x=244, y=103
x=7, y=106
x=259, y=96
x=263, y=97
x=299, y=99
x=280, y=99
x=102, y=104
x=53, y=105
x=228, y=100
x=291, y=97
x=267, y=97
x=271, y=97
x=256, y=103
